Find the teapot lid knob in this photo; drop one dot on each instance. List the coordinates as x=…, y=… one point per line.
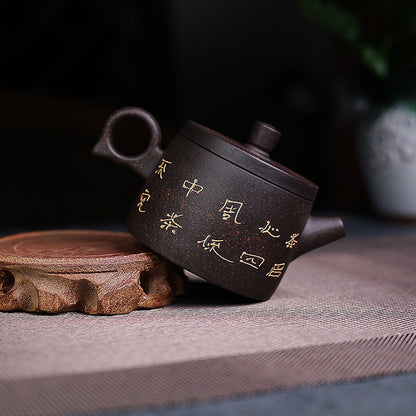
x=263, y=138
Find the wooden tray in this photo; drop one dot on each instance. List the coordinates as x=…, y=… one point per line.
x=96, y=272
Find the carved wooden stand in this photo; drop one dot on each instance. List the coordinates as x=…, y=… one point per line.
x=95, y=272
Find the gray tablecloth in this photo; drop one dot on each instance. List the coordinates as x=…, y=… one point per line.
x=344, y=312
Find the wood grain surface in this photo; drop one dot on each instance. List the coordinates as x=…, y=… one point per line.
x=96, y=272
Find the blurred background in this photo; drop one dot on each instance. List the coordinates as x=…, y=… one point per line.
x=67, y=64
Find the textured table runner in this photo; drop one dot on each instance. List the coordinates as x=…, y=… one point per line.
x=344, y=312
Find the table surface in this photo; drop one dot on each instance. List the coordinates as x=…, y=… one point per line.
x=390, y=395
x=385, y=395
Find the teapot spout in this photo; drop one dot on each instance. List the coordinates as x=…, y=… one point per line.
x=318, y=232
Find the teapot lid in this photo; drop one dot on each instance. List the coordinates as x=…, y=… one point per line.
x=254, y=157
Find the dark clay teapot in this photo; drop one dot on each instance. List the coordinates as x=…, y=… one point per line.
x=225, y=212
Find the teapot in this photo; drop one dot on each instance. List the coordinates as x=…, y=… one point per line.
x=223, y=211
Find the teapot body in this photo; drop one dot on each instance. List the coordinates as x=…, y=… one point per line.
x=218, y=220
x=220, y=210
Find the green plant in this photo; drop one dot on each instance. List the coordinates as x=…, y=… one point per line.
x=382, y=33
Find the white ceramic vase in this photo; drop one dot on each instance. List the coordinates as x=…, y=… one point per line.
x=388, y=159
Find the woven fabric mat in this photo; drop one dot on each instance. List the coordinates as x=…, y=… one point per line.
x=344, y=312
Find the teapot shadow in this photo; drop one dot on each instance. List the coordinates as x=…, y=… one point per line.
x=202, y=293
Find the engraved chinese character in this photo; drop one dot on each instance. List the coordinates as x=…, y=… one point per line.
x=276, y=270
x=251, y=260
x=161, y=169
x=212, y=245
x=170, y=222
x=192, y=187
x=292, y=241
x=144, y=197
x=231, y=209
x=268, y=229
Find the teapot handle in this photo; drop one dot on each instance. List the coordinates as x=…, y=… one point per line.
x=143, y=163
